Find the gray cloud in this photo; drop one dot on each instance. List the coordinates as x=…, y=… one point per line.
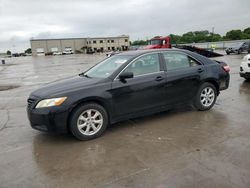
x=21, y=20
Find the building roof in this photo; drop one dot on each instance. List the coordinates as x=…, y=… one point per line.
x=121, y=36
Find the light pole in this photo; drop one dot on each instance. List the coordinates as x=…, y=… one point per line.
x=212, y=33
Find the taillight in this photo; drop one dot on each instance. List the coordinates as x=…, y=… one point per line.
x=226, y=68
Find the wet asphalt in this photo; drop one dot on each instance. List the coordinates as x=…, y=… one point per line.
x=178, y=148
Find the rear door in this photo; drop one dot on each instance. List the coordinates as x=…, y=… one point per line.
x=183, y=76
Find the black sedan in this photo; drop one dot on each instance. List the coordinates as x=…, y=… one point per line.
x=238, y=48
x=126, y=85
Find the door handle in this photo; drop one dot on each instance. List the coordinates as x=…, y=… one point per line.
x=200, y=70
x=159, y=78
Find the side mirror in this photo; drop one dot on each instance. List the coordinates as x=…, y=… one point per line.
x=126, y=75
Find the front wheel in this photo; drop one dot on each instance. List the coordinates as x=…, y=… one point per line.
x=206, y=97
x=88, y=121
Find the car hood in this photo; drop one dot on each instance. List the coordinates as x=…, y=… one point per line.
x=62, y=87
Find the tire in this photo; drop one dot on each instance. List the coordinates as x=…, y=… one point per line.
x=228, y=53
x=205, y=97
x=88, y=121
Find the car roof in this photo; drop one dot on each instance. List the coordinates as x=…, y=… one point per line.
x=141, y=52
x=136, y=53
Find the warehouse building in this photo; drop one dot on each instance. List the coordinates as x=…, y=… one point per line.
x=79, y=45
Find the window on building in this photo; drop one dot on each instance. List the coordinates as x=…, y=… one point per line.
x=126, y=40
x=101, y=41
x=95, y=49
x=108, y=48
x=113, y=48
x=101, y=49
x=112, y=41
x=108, y=41
x=94, y=41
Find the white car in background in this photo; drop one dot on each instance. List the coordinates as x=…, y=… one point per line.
x=245, y=67
x=57, y=53
x=67, y=52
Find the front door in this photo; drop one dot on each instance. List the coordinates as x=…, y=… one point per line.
x=142, y=92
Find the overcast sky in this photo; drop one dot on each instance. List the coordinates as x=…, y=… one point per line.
x=140, y=19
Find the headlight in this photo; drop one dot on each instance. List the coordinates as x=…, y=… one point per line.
x=51, y=102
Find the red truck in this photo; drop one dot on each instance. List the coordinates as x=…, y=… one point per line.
x=165, y=42
x=159, y=42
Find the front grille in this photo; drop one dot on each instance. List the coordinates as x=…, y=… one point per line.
x=31, y=102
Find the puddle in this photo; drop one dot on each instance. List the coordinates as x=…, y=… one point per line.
x=8, y=87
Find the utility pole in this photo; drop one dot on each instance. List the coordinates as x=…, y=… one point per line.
x=212, y=34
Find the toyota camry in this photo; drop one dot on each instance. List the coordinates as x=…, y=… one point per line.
x=124, y=86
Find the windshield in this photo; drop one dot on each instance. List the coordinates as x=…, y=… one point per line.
x=155, y=42
x=238, y=44
x=107, y=66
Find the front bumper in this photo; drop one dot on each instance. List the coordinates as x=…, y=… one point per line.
x=245, y=75
x=51, y=119
x=231, y=50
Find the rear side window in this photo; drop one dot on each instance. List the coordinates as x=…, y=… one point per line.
x=175, y=60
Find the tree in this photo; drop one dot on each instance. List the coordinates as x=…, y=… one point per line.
x=8, y=52
x=234, y=35
x=187, y=37
x=175, y=39
x=247, y=31
x=202, y=36
x=28, y=51
x=140, y=42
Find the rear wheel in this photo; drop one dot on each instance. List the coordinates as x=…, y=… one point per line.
x=206, y=97
x=88, y=121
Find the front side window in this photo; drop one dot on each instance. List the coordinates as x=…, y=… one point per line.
x=155, y=42
x=107, y=66
x=144, y=65
x=175, y=60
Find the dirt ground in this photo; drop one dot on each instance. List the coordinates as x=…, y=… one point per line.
x=179, y=148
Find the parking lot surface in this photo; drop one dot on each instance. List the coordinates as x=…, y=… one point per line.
x=179, y=148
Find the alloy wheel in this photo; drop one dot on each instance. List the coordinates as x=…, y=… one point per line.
x=90, y=122
x=207, y=96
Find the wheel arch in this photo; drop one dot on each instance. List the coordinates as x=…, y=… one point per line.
x=97, y=100
x=215, y=83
